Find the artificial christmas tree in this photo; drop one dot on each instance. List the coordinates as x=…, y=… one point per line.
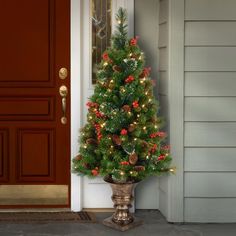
x=122, y=139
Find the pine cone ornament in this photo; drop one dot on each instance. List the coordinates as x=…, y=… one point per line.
x=134, y=56
x=139, y=168
x=86, y=166
x=133, y=158
x=142, y=75
x=144, y=144
x=131, y=128
x=116, y=139
x=91, y=141
x=78, y=158
x=126, y=108
x=117, y=68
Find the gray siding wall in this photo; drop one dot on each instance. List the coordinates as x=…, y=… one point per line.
x=210, y=111
x=198, y=37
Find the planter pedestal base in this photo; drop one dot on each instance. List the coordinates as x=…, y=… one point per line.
x=136, y=222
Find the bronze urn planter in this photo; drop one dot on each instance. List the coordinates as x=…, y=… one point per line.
x=122, y=196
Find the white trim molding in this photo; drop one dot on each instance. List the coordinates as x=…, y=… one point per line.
x=175, y=211
x=76, y=182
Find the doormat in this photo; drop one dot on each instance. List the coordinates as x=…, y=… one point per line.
x=47, y=217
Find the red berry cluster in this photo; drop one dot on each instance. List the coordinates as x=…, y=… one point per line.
x=123, y=132
x=161, y=157
x=146, y=71
x=124, y=163
x=130, y=79
x=105, y=56
x=158, y=134
x=133, y=41
x=95, y=171
x=165, y=148
x=99, y=114
x=92, y=104
x=98, y=129
x=154, y=148
x=135, y=104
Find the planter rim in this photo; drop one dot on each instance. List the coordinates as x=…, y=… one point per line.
x=109, y=180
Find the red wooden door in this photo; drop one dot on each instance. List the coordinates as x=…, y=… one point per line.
x=34, y=143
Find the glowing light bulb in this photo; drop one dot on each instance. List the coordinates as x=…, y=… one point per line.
x=143, y=105
x=105, y=63
x=119, y=22
x=138, y=115
x=172, y=170
x=144, y=128
x=135, y=139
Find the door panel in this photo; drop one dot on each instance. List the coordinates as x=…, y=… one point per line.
x=35, y=145
x=4, y=158
x=35, y=166
x=27, y=108
x=28, y=27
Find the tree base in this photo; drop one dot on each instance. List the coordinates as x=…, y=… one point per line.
x=109, y=222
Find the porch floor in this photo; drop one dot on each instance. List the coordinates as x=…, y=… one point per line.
x=154, y=224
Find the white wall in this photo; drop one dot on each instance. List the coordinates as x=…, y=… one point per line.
x=146, y=27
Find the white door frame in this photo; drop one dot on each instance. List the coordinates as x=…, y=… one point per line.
x=77, y=85
x=76, y=121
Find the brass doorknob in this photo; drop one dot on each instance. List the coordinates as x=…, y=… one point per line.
x=63, y=73
x=63, y=90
